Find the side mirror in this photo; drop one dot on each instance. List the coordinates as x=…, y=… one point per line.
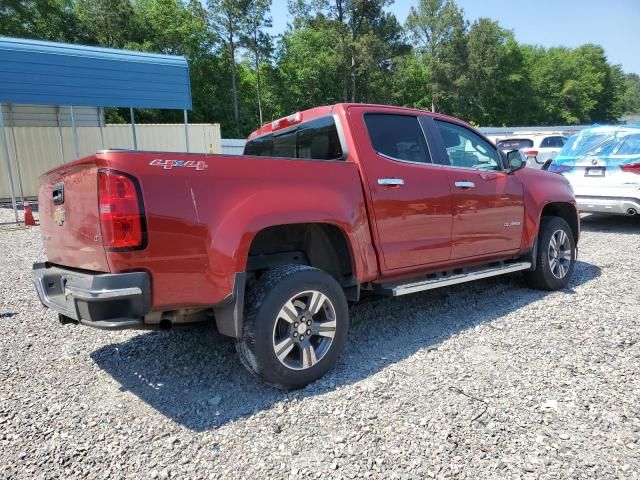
x=516, y=160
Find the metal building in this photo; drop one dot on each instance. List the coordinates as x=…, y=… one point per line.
x=56, y=74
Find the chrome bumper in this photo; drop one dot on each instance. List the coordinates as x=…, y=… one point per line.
x=616, y=205
x=101, y=300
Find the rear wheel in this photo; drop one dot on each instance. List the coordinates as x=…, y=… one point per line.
x=295, y=326
x=555, y=256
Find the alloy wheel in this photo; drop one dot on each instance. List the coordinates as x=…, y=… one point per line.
x=559, y=254
x=304, y=330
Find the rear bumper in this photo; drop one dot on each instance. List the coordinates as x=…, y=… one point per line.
x=616, y=205
x=107, y=301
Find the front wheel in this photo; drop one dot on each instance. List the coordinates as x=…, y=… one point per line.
x=295, y=326
x=555, y=256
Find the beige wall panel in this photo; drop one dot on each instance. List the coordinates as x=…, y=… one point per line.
x=38, y=148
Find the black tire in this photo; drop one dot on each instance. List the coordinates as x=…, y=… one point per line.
x=543, y=277
x=265, y=301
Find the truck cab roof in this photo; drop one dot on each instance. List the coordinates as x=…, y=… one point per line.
x=310, y=114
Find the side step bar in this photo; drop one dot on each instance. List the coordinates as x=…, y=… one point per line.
x=443, y=280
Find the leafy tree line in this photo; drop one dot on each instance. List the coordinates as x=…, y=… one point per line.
x=341, y=50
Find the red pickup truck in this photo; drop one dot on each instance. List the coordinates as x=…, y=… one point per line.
x=323, y=205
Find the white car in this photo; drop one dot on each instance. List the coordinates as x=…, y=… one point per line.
x=603, y=166
x=537, y=149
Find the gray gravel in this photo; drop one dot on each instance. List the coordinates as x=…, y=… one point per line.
x=484, y=380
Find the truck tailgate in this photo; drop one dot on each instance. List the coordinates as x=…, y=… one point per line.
x=68, y=207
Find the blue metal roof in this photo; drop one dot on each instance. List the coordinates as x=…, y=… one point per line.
x=48, y=73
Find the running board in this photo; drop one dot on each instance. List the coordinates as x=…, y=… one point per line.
x=443, y=280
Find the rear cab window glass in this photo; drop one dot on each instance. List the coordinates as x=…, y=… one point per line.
x=285, y=145
x=398, y=137
x=318, y=140
x=314, y=140
x=514, y=144
x=260, y=147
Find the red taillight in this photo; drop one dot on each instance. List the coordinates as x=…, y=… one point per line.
x=531, y=153
x=121, y=211
x=631, y=168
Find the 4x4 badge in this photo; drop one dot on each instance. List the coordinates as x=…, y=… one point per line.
x=199, y=165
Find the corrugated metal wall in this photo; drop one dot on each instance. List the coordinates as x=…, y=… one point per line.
x=233, y=146
x=49, y=116
x=39, y=149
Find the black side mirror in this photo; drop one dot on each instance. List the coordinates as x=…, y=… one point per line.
x=516, y=160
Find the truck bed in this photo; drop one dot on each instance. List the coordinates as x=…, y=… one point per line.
x=195, y=213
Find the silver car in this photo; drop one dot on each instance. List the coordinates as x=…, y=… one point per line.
x=536, y=148
x=603, y=166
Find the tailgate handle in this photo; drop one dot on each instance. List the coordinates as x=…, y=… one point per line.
x=58, y=194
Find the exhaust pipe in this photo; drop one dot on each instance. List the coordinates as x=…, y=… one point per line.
x=632, y=211
x=64, y=320
x=166, y=324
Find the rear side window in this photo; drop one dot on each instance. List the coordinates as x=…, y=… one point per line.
x=397, y=136
x=314, y=140
x=553, y=142
x=514, y=144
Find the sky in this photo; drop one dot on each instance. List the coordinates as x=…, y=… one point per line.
x=614, y=24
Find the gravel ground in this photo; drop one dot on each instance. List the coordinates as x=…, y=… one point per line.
x=484, y=380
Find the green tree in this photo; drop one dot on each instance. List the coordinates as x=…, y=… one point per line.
x=108, y=23
x=409, y=81
x=175, y=28
x=227, y=20
x=369, y=38
x=572, y=86
x=439, y=31
x=497, y=89
x=257, y=41
x=631, y=96
x=310, y=70
x=377, y=48
x=340, y=50
x=38, y=19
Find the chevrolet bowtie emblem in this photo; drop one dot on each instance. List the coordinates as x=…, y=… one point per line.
x=59, y=216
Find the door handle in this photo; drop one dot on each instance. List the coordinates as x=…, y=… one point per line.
x=465, y=184
x=391, y=182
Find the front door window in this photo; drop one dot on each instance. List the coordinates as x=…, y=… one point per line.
x=465, y=149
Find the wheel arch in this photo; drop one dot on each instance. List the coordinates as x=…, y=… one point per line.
x=565, y=210
x=322, y=245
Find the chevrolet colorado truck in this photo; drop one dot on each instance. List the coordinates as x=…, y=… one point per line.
x=270, y=246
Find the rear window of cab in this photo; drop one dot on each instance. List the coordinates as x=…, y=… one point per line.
x=313, y=140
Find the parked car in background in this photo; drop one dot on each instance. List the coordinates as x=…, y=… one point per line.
x=537, y=149
x=603, y=165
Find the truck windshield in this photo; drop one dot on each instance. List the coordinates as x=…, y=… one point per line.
x=314, y=140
